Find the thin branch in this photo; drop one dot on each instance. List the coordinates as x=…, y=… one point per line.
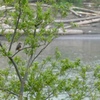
x=16, y=68
x=10, y=58
x=19, y=51
x=35, y=32
x=10, y=92
x=50, y=95
x=23, y=49
x=40, y=52
x=16, y=25
x=30, y=63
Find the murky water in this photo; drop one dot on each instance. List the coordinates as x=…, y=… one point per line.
x=85, y=47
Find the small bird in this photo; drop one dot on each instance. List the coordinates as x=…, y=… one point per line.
x=18, y=47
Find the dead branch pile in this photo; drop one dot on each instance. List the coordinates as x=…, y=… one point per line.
x=84, y=17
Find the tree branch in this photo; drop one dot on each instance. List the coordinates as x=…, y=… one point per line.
x=40, y=52
x=23, y=49
x=31, y=61
x=16, y=25
x=10, y=92
x=19, y=51
x=16, y=68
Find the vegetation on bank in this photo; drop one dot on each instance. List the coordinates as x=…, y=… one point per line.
x=30, y=79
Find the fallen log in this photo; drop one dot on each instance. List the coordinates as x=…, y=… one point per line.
x=75, y=13
x=83, y=23
x=87, y=14
x=70, y=31
x=76, y=20
x=60, y=31
x=85, y=10
x=6, y=8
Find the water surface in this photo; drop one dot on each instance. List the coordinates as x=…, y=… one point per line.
x=85, y=47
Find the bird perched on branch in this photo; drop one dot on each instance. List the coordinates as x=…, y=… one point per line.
x=18, y=47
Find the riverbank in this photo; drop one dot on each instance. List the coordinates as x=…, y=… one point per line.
x=72, y=27
x=92, y=28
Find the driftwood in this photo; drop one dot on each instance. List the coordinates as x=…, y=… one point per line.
x=76, y=20
x=83, y=22
x=85, y=10
x=94, y=16
x=60, y=31
x=70, y=31
x=87, y=14
x=82, y=12
x=75, y=10
x=75, y=13
x=6, y=8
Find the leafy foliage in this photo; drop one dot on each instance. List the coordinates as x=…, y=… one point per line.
x=28, y=79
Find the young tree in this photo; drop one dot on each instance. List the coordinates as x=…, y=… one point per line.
x=28, y=79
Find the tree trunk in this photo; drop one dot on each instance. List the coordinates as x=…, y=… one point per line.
x=21, y=92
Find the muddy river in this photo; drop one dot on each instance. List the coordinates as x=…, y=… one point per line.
x=85, y=47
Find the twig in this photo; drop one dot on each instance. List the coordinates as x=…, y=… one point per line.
x=19, y=51
x=16, y=68
x=40, y=52
x=50, y=94
x=10, y=92
x=23, y=49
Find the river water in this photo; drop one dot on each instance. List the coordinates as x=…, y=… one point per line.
x=85, y=47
